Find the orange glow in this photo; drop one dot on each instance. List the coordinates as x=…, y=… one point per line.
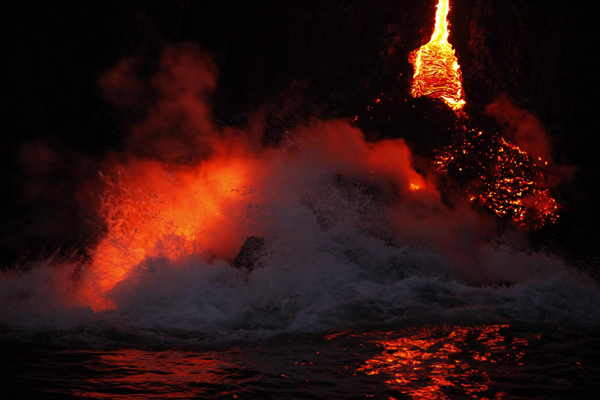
x=431, y=360
x=152, y=211
x=437, y=72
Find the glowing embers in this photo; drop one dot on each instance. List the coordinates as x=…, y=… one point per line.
x=445, y=362
x=501, y=177
x=437, y=73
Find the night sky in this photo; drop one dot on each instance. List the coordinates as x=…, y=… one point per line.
x=295, y=60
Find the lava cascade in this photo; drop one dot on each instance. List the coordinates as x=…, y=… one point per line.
x=437, y=72
x=510, y=182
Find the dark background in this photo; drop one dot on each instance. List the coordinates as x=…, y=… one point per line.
x=301, y=58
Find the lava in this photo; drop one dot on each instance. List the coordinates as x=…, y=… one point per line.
x=511, y=181
x=501, y=177
x=437, y=72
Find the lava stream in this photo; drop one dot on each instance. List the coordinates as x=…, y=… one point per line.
x=437, y=72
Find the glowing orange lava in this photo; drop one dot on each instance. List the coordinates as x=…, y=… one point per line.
x=437, y=72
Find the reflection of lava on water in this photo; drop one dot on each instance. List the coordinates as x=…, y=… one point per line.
x=142, y=374
x=439, y=363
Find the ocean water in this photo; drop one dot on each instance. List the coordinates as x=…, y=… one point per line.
x=425, y=362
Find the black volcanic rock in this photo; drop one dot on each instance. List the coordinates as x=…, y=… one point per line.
x=250, y=253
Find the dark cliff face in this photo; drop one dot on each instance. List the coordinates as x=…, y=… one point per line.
x=300, y=59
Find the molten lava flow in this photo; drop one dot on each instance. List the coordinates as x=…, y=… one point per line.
x=437, y=73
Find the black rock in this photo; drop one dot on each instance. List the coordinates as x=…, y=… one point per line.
x=251, y=251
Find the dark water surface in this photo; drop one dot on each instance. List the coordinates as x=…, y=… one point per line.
x=427, y=362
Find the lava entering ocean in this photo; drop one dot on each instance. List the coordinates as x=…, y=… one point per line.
x=508, y=180
x=320, y=217
x=268, y=248
x=166, y=209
